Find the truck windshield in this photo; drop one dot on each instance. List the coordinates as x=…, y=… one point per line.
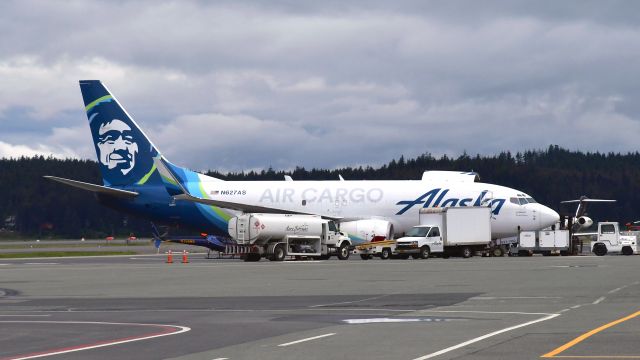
x=418, y=231
x=607, y=229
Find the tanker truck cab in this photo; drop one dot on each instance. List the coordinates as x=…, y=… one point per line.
x=420, y=241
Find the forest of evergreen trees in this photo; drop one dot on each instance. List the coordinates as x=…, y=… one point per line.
x=35, y=207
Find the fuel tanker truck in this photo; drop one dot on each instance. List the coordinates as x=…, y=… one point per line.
x=276, y=236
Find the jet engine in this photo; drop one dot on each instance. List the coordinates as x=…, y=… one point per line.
x=367, y=229
x=584, y=222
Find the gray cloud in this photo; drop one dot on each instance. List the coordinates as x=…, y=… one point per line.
x=243, y=85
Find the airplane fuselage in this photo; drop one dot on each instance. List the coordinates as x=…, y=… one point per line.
x=397, y=201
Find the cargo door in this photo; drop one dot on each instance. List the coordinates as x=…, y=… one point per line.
x=527, y=239
x=547, y=239
x=561, y=238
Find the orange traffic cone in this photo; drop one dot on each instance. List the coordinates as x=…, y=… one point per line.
x=185, y=259
x=169, y=257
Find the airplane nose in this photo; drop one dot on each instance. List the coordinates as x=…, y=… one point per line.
x=548, y=217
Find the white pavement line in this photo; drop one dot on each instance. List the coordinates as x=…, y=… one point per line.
x=41, y=264
x=307, y=339
x=513, y=297
x=564, y=310
x=25, y=315
x=221, y=359
x=395, y=320
x=4, y=264
x=486, y=312
x=599, y=300
x=182, y=329
x=480, y=338
x=617, y=289
x=350, y=302
x=576, y=306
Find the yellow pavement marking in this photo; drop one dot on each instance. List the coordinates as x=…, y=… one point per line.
x=554, y=353
x=596, y=357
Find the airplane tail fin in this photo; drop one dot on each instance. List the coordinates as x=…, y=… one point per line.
x=125, y=153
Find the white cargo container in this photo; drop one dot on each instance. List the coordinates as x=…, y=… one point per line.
x=276, y=236
x=448, y=231
x=545, y=242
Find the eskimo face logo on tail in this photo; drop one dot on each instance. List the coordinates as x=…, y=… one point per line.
x=116, y=146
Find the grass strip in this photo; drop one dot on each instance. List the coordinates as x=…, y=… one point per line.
x=46, y=254
x=89, y=245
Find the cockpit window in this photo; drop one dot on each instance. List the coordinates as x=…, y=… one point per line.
x=523, y=201
x=514, y=200
x=531, y=200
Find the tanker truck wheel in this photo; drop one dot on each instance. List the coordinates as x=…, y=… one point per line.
x=252, y=257
x=279, y=253
x=343, y=251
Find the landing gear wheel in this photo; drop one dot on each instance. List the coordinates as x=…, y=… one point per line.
x=425, y=252
x=343, y=251
x=466, y=252
x=385, y=254
x=365, y=256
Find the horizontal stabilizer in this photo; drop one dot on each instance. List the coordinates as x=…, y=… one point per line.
x=94, y=188
x=586, y=200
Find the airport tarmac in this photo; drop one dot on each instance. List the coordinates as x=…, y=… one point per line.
x=139, y=307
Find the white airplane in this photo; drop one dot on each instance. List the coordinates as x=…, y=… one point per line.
x=137, y=179
x=580, y=219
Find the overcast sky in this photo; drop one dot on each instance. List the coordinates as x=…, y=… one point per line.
x=236, y=85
